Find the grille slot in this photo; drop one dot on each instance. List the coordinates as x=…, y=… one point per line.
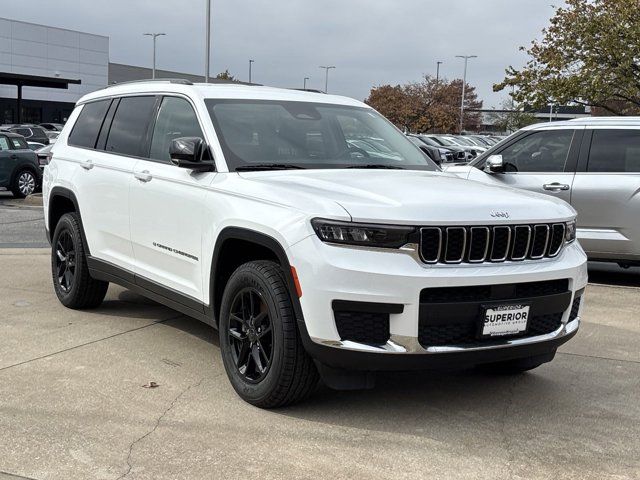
x=456, y=242
x=557, y=239
x=477, y=244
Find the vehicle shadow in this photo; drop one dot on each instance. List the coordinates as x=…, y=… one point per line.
x=612, y=274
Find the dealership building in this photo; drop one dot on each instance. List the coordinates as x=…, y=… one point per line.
x=45, y=70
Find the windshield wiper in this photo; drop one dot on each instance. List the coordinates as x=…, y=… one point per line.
x=376, y=165
x=268, y=166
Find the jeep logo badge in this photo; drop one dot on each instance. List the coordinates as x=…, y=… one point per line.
x=500, y=214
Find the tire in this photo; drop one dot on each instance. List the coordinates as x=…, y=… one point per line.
x=69, y=271
x=257, y=319
x=24, y=183
x=516, y=366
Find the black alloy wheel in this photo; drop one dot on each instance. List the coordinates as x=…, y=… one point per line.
x=65, y=261
x=251, y=334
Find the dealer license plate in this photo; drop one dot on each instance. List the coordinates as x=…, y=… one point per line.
x=504, y=320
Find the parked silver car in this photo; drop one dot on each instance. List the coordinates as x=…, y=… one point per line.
x=592, y=163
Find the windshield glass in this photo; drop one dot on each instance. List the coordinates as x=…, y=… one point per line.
x=280, y=134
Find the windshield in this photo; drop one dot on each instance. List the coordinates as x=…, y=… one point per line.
x=260, y=134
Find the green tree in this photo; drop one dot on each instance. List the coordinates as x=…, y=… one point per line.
x=589, y=55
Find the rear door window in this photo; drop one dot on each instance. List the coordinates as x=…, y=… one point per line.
x=615, y=151
x=543, y=151
x=128, y=133
x=87, y=126
x=4, y=143
x=19, y=143
x=25, y=132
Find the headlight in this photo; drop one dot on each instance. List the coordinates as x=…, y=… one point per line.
x=570, y=232
x=361, y=234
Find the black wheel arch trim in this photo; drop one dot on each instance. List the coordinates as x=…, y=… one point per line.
x=69, y=195
x=264, y=240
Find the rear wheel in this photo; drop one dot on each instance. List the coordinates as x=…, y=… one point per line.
x=24, y=184
x=259, y=340
x=71, y=280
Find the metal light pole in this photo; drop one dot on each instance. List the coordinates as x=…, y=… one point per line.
x=464, y=85
x=250, y=63
x=438, y=72
x=326, y=77
x=154, y=36
x=304, y=83
x=207, y=55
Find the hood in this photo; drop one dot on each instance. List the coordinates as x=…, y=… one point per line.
x=407, y=197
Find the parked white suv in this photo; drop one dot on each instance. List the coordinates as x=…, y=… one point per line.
x=254, y=210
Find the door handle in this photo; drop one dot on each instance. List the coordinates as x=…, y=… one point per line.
x=13, y=157
x=87, y=165
x=555, y=187
x=143, y=176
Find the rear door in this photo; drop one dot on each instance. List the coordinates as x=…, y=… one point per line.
x=167, y=205
x=541, y=161
x=105, y=173
x=606, y=193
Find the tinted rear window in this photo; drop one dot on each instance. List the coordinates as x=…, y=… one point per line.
x=128, y=131
x=85, y=131
x=25, y=132
x=615, y=151
x=19, y=143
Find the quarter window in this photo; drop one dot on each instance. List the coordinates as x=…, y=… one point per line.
x=176, y=119
x=544, y=151
x=87, y=126
x=615, y=151
x=128, y=132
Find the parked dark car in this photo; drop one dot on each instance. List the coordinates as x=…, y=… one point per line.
x=52, y=127
x=31, y=133
x=19, y=169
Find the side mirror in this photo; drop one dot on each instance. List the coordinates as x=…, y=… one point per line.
x=494, y=164
x=189, y=152
x=429, y=154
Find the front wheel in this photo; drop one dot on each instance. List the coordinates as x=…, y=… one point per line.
x=259, y=340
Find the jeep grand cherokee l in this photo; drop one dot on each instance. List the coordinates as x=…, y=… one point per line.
x=252, y=209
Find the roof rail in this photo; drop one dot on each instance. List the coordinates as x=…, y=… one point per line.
x=606, y=119
x=312, y=90
x=179, y=81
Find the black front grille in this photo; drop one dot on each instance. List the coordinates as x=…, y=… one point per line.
x=452, y=315
x=466, y=333
x=498, y=243
x=363, y=327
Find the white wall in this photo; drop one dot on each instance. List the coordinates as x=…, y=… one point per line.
x=32, y=49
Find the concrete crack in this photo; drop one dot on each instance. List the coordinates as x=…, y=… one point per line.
x=155, y=427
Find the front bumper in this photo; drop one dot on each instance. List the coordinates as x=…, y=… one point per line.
x=391, y=277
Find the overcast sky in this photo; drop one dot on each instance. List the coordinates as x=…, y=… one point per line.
x=371, y=42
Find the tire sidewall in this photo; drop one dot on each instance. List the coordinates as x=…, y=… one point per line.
x=66, y=224
x=242, y=278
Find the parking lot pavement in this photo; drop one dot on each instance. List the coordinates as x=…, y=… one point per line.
x=21, y=224
x=73, y=404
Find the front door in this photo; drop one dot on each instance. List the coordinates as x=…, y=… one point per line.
x=167, y=207
x=539, y=162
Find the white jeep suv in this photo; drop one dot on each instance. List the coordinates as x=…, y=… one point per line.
x=310, y=232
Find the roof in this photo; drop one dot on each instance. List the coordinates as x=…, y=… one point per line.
x=590, y=121
x=7, y=78
x=219, y=91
